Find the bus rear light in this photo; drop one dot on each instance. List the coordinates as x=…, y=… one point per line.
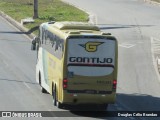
x=65, y=81
x=64, y=86
x=114, y=84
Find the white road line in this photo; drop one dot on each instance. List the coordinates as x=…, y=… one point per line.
x=126, y=45
x=155, y=39
x=157, y=52
x=156, y=48
x=27, y=85
x=153, y=58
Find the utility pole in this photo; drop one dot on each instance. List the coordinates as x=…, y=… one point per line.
x=35, y=9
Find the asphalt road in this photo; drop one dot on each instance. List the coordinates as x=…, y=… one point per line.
x=18, y=88
x=133, y=22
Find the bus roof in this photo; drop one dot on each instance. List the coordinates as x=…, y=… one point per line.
x=75, y=26
x=67, y=28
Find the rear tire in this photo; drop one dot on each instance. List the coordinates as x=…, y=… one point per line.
x=54, y=96
x=55, y=101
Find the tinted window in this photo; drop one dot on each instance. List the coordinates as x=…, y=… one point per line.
x=52, y=43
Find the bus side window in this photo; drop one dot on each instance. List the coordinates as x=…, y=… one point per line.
x=40, y=37
x=53, y=40
x=58, y=47
x=43, y=35
x=57, y=43
x=47, y=39
x=53, y=43
x=61, y=47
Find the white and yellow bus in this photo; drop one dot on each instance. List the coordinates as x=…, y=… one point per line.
x=76, y=63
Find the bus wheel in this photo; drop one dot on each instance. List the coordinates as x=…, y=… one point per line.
x=55, y=101
x=54, y=95
x=42, y=89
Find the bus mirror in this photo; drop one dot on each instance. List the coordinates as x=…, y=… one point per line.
x=34, y=41
x=33, y=46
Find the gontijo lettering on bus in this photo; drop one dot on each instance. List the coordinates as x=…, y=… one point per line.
x=92, y=60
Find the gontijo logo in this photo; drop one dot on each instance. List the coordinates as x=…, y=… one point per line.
x=91, y=46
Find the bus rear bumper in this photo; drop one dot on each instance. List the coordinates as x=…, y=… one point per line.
x=89, y=98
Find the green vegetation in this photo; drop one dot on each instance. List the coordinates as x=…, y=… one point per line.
x=49, y=10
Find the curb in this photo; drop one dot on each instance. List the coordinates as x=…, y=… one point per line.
x=152, y=2
x=17, y=24
x=91, y=17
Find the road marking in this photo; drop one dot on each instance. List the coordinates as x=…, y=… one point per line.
x=27, y=85
x=155, y=42
x=155, y=45
x=126, y=45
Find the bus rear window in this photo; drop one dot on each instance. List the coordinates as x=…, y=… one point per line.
x=91, y=56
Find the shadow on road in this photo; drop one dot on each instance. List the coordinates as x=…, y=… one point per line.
x=15, y=41
x=126, y=102
x=101, y=26
x=138, y=102
x=9, y=80
x=119, y=26
x=131, y=103
x=16, y=32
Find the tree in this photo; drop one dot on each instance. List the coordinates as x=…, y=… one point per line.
x=35, y=9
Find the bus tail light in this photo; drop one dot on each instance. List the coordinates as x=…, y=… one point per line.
x=114, y=84
x=65, y=81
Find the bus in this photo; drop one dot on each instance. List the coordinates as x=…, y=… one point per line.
x=76, y=63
